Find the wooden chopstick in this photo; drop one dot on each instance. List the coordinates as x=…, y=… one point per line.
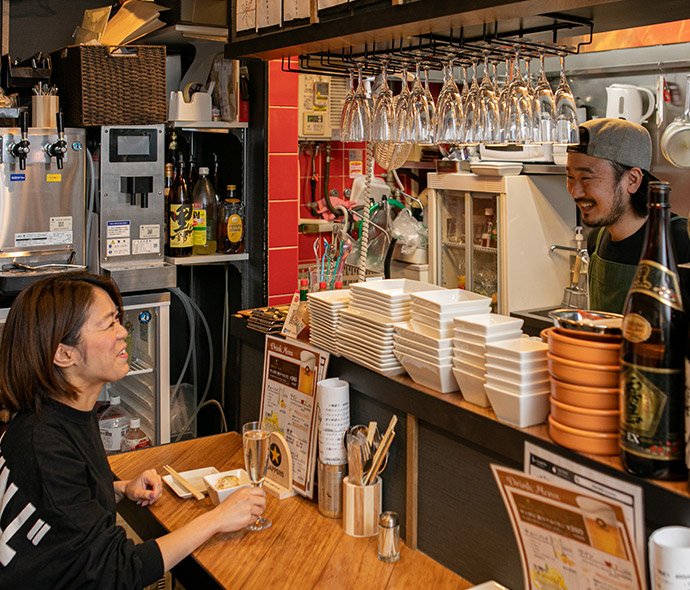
x=184, y=482
x=381, y=451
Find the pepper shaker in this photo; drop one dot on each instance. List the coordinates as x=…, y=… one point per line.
x=389, y=537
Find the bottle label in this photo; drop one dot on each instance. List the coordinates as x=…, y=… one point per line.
x=657, y=281
x=113, y=436
x=234, y=228
x=181, y=226
x=199, y=227
x=139, y=442
x=636, y=328
x=650, y=427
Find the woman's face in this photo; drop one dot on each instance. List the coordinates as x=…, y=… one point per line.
x=100, y=356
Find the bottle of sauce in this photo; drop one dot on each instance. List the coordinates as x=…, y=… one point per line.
x=231, y=224
x=180, y=210
x=654, y=338
x=135, y=438
x=204, y=211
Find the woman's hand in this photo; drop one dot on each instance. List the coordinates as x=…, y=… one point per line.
x=240, y=509
x=144, y=489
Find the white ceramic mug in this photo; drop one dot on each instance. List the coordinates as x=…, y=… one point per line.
x=669, y=558
x=624, y=101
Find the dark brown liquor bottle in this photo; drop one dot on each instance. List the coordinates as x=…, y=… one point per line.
x=180, y=215
x=654, y=338
x=231, y=226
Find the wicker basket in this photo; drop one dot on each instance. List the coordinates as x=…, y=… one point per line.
x=99, y=86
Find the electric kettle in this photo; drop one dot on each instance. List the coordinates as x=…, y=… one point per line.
x=624, y=101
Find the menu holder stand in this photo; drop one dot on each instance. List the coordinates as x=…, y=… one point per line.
x=278, y=480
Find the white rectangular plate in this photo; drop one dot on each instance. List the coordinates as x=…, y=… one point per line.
x=194, y=476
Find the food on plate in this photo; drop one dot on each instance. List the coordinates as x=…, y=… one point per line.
x=229, y=481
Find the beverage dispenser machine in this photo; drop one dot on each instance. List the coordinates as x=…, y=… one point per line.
x=132, y=208
x=42, y=203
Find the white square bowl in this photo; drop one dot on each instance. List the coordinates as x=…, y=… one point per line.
x=515, y=365
x=438, y=354
x=217, y=496
x=484, y=339
x=393, y=290
x=468, y=346
x=518, y=388
x=475, y=370
x=471, y=388
x=431, y=331
x=438, y=378
x=477, y=360
x=519, y=349
x=407, y=330
x=468, y=308
x=413, y=352
x=488, y=323
x=519, y=410
x=518, y=377
x=449, y=300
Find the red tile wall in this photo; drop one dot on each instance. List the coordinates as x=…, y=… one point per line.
x=283, y=184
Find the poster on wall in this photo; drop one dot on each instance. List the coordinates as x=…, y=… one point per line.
x=568, y=539
x=288, y=402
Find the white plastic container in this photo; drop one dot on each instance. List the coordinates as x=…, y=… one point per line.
x=113, y=425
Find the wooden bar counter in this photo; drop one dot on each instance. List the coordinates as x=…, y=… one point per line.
x=301, y=550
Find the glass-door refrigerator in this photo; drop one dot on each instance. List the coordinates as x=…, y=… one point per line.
x=493, y=235
x=145, y=391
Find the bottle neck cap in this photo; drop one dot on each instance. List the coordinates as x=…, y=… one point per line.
x=135, y=423
x=115, y=400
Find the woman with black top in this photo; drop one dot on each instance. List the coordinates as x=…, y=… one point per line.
x=62, y=342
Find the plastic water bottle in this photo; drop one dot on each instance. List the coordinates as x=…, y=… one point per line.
x=135, y=438
x=113, y=424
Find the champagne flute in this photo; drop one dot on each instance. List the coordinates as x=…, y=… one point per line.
x=383, y=129
x=430, y=102
x=450, y=116
x=472, y=110
x=401, y=101
x=255, y=441
x=567, y=128
x=488, y=108
x=519, y=115
x=359, y=128
x=418, y=124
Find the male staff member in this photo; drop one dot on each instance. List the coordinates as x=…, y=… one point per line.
x=607, y=176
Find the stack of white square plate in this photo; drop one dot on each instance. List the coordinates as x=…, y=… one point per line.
x=365, y=331
x=428, y=360
x=472, y=334
x=517, y=380
x=432, y=313
x=324, y=314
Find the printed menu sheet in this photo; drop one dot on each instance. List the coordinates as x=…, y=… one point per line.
x=554, y=468
x=568, y=539
x=288, y=402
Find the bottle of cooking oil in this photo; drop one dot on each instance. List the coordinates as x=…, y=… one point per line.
x=205, y=207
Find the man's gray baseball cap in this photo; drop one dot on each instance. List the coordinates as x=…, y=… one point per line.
x=617, y=140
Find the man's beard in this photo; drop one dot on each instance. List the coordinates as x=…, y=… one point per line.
x=617, y=210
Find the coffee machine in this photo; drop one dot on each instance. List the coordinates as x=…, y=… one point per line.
x=42, y=203
x=132, y=208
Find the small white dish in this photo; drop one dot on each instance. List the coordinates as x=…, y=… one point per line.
x=518, y=377
x=217, y=496
x=366, y=318
x=371, y=337
x=471, y=388
x=484, y=339
x=389, y=371
x=193, y=476
x=519, y=410
x=491, y=323
x=518, y=388
x=394, y=289
x=448, y=300
x=375, y=358
x=393, y=316
x=470, y=308
x=446, y=324
x=431, y=331
x=438, y=378
x=520, y=349
x=375, y=299
x=338, y=296
x=496, y=168
x=423, y=356
x=431, y=351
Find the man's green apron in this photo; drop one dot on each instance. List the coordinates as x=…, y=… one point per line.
x=609, y=282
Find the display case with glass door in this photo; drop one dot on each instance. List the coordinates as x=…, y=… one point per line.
x=493, y=235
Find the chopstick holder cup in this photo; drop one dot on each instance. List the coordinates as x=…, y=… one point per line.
x=361, y=508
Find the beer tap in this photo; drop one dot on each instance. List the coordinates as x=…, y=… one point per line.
x=21, y=148
x=58, y=149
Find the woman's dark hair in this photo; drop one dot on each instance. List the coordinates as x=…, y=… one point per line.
x=49, y=312
x=638, y=200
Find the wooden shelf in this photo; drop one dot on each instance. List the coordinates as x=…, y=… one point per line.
x=380, y=21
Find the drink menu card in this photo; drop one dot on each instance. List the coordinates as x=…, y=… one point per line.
x=568, y=539
x=288, y=402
